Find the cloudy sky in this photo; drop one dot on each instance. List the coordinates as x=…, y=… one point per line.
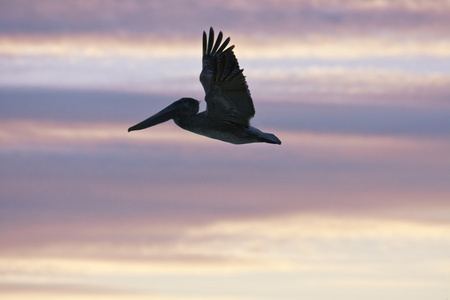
x=355, y=203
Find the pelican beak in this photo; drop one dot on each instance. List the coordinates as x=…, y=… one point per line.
x=164, y=115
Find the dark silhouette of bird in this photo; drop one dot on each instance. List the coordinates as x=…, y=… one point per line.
x=229, y=104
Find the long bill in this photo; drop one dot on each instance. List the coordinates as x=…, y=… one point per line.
x=164, y=115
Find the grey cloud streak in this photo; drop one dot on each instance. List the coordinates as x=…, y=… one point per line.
x=93, y=106
x=188, y=17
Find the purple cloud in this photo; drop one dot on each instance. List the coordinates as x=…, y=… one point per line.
x=188, y=17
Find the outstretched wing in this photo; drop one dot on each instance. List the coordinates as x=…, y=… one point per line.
x=227, y=96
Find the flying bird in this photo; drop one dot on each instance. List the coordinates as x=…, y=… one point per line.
x=229, y=105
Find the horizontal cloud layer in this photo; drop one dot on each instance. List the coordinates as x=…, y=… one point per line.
x=258, y=17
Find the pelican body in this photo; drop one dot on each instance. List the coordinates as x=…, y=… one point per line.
x=229, y=106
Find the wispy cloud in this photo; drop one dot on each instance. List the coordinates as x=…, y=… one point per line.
x=141, y=17
x=288, y=46
x=255, y=249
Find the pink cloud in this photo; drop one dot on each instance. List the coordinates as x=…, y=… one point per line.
x=260, y=17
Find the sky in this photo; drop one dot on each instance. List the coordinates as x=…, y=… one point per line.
x=354, y=204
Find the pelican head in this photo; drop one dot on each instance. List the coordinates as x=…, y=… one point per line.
x=185, y=107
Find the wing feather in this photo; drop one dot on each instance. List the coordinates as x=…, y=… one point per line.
x=211, y=40
x=227, y=97
x=218, y=41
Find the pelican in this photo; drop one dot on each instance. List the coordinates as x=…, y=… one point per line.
x=229, y=106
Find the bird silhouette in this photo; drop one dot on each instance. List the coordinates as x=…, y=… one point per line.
x=229, y=105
